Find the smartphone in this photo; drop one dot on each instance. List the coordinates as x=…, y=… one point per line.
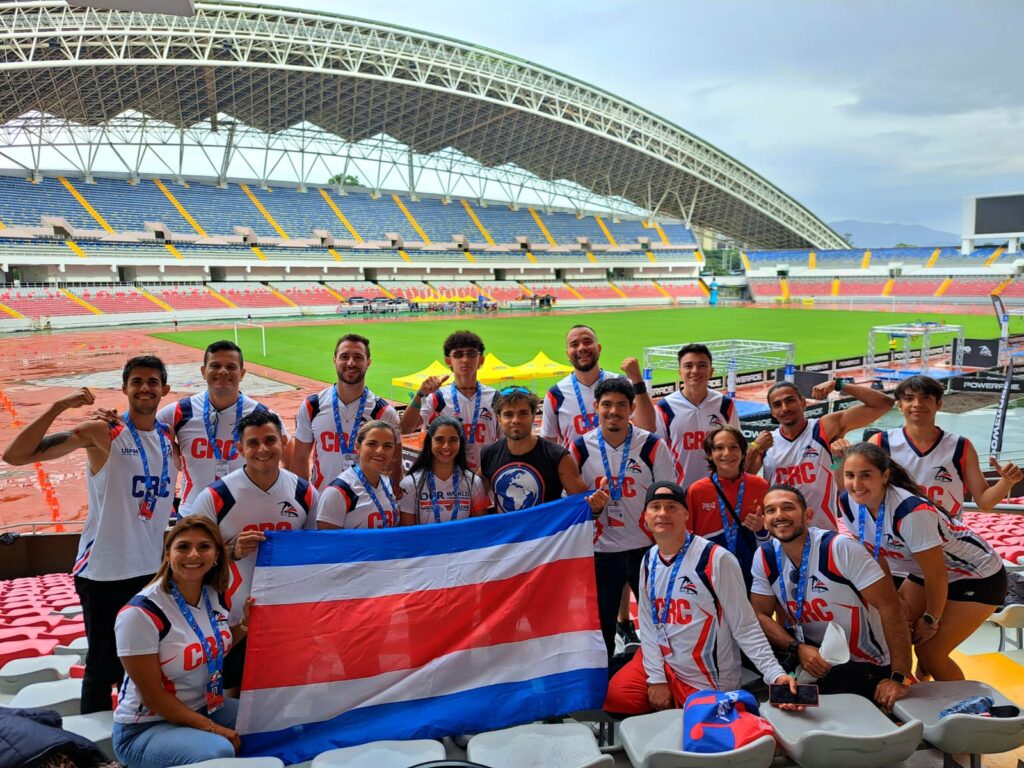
x=806, y=695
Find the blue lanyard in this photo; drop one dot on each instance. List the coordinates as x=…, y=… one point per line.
x=386, y=517
x=878, y=525
x=590, y=419
x=801, y=585
x=731, y=527
x=151, y=495
x=476, y=409
x=211, y=426
x=615, y=484
x=435, y=504
x=214, y=661
x=652, y=564
x=350, y=446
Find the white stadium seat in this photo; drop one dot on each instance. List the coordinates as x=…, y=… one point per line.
x=655, y=741
x=845, y=730
x=62, y=696
x=382, y=754
x=97, y=727
x=563, y=745
x=20, y=673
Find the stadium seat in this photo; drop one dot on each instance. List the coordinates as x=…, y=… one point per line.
x=76, y=647
x=62, y=696
x=561, y=745
x=654, y=741
x=382, y=754
x=25, y=649
x=1009, y=617
x=844, y=730
x=958, y=734
x=97, y=727
x=71, y=611
x=19, y=673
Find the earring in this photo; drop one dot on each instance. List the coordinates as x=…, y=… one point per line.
x=215, y=563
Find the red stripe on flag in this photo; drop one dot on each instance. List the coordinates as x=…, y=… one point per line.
x=305, y=643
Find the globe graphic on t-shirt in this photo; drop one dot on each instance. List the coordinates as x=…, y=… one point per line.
x=518, y=487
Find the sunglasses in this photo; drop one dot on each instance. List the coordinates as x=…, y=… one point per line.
x=514, y=391
x=469, y=354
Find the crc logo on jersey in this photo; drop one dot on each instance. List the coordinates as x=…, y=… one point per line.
x=201, y=448
x=943, y=475
x=817, y=585
x=687, y=586
x=287, y=510
x=143, y=485
x=330, y=442
x=193, y=656
x=801, y=474
x=518, y=486
x=810, y=452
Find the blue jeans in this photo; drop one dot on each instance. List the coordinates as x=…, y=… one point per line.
x=161, y=744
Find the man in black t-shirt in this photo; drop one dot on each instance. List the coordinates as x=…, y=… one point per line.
x=521, y=469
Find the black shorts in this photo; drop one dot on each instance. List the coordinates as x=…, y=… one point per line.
x=988, y=591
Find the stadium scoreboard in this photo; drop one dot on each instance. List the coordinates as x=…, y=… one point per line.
x=989, y=217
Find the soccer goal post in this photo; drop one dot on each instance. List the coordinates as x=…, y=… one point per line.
x=262, y=330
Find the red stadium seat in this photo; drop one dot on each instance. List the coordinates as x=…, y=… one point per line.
x=25, y=649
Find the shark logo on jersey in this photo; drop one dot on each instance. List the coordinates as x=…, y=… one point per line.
x=715, y=420
x=487, y=414
x=817, y=585
x=687, y=586
x=943, y=475
x=810, y=452
x=892, y=541
x=287, y=510
x=632, y=465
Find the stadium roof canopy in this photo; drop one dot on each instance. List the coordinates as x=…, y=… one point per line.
x=311, y=93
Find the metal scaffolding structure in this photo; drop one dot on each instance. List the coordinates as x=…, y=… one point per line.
x=252, y=91
x=900, y=353
x=740, y=356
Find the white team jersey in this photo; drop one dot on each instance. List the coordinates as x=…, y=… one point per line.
x=684, y=425
x=621, y=525
x=913, y=525
x=198, y=460
x=940, y=471
x=346, y=503
x=805, y=462
x=151, y=623
x=487, y=431
x=837, y=572
x=116, y=543
x=561, y=418
x=416, y=498
x=709, y=620
x=314, y=423
x=236, y=504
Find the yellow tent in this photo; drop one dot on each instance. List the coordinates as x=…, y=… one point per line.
x=494, y=370
x=540, y=367
x=414, y=380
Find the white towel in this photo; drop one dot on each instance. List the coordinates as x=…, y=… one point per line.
x=835, y=649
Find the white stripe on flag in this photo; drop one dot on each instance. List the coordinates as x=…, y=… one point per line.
x=273, y=709
x=293, y=584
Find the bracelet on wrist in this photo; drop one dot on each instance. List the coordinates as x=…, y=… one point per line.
x=640, y=388
x=754, y=445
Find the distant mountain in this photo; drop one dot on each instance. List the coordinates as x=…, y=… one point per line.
x=873, y=234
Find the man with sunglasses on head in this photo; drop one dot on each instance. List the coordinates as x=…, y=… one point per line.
x=521, y=469
x=465, y=398
x=569, y=406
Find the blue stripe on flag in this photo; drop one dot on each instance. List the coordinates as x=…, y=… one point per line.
x=360, y=546
x=474, y=711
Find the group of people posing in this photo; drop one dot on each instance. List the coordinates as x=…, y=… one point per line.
x=741, y=565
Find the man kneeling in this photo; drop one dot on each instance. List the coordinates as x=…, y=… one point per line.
x=826, y=578
x=694, y=617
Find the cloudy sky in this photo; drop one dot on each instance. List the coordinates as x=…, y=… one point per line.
x=880, y=110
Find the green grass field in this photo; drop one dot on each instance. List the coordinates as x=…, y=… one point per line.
x=404, y=347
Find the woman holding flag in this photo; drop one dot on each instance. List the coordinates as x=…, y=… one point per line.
x=441, y=487
x=955, y=580
x=172, y=638
x=362, y=496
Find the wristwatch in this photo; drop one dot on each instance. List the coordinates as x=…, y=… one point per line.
x=899, y=678
x=640, y=388
x=794, y=647
x=931, y=621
